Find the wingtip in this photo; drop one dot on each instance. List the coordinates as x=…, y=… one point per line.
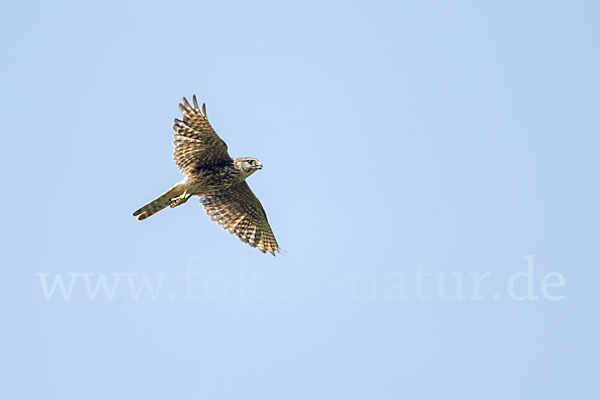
x=273, y=251
x=185, y=104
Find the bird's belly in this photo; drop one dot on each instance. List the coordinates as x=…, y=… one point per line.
x=204, y=184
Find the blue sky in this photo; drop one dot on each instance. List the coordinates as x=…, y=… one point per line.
x=430, y=169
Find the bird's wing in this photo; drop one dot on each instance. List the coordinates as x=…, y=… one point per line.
x=196, y=142
x=239, y=211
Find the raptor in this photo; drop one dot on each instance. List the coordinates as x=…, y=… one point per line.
x=218, y=179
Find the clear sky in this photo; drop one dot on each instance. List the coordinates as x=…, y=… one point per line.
x=430, y=169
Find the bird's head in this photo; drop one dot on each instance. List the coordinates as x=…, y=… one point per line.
x=248, y=165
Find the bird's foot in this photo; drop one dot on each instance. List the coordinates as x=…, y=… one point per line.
x=176, y=201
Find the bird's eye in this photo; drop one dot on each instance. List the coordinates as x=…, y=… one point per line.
x=251, y=162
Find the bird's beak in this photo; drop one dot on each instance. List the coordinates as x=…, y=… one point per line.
x=259, y=166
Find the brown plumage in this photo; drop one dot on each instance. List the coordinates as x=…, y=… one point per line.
x=218, y=179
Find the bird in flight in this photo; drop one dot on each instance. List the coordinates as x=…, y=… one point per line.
x=218, y=179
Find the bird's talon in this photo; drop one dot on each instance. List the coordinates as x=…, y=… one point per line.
x=175, y=201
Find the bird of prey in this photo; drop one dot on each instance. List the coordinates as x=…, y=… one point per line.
x=218, y=179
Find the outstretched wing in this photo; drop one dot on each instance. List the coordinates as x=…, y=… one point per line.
x=239, y=211
x=196, y=142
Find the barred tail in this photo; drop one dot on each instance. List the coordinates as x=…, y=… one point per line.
x=159, y=203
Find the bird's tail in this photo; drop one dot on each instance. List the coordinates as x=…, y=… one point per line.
x=159, y=203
